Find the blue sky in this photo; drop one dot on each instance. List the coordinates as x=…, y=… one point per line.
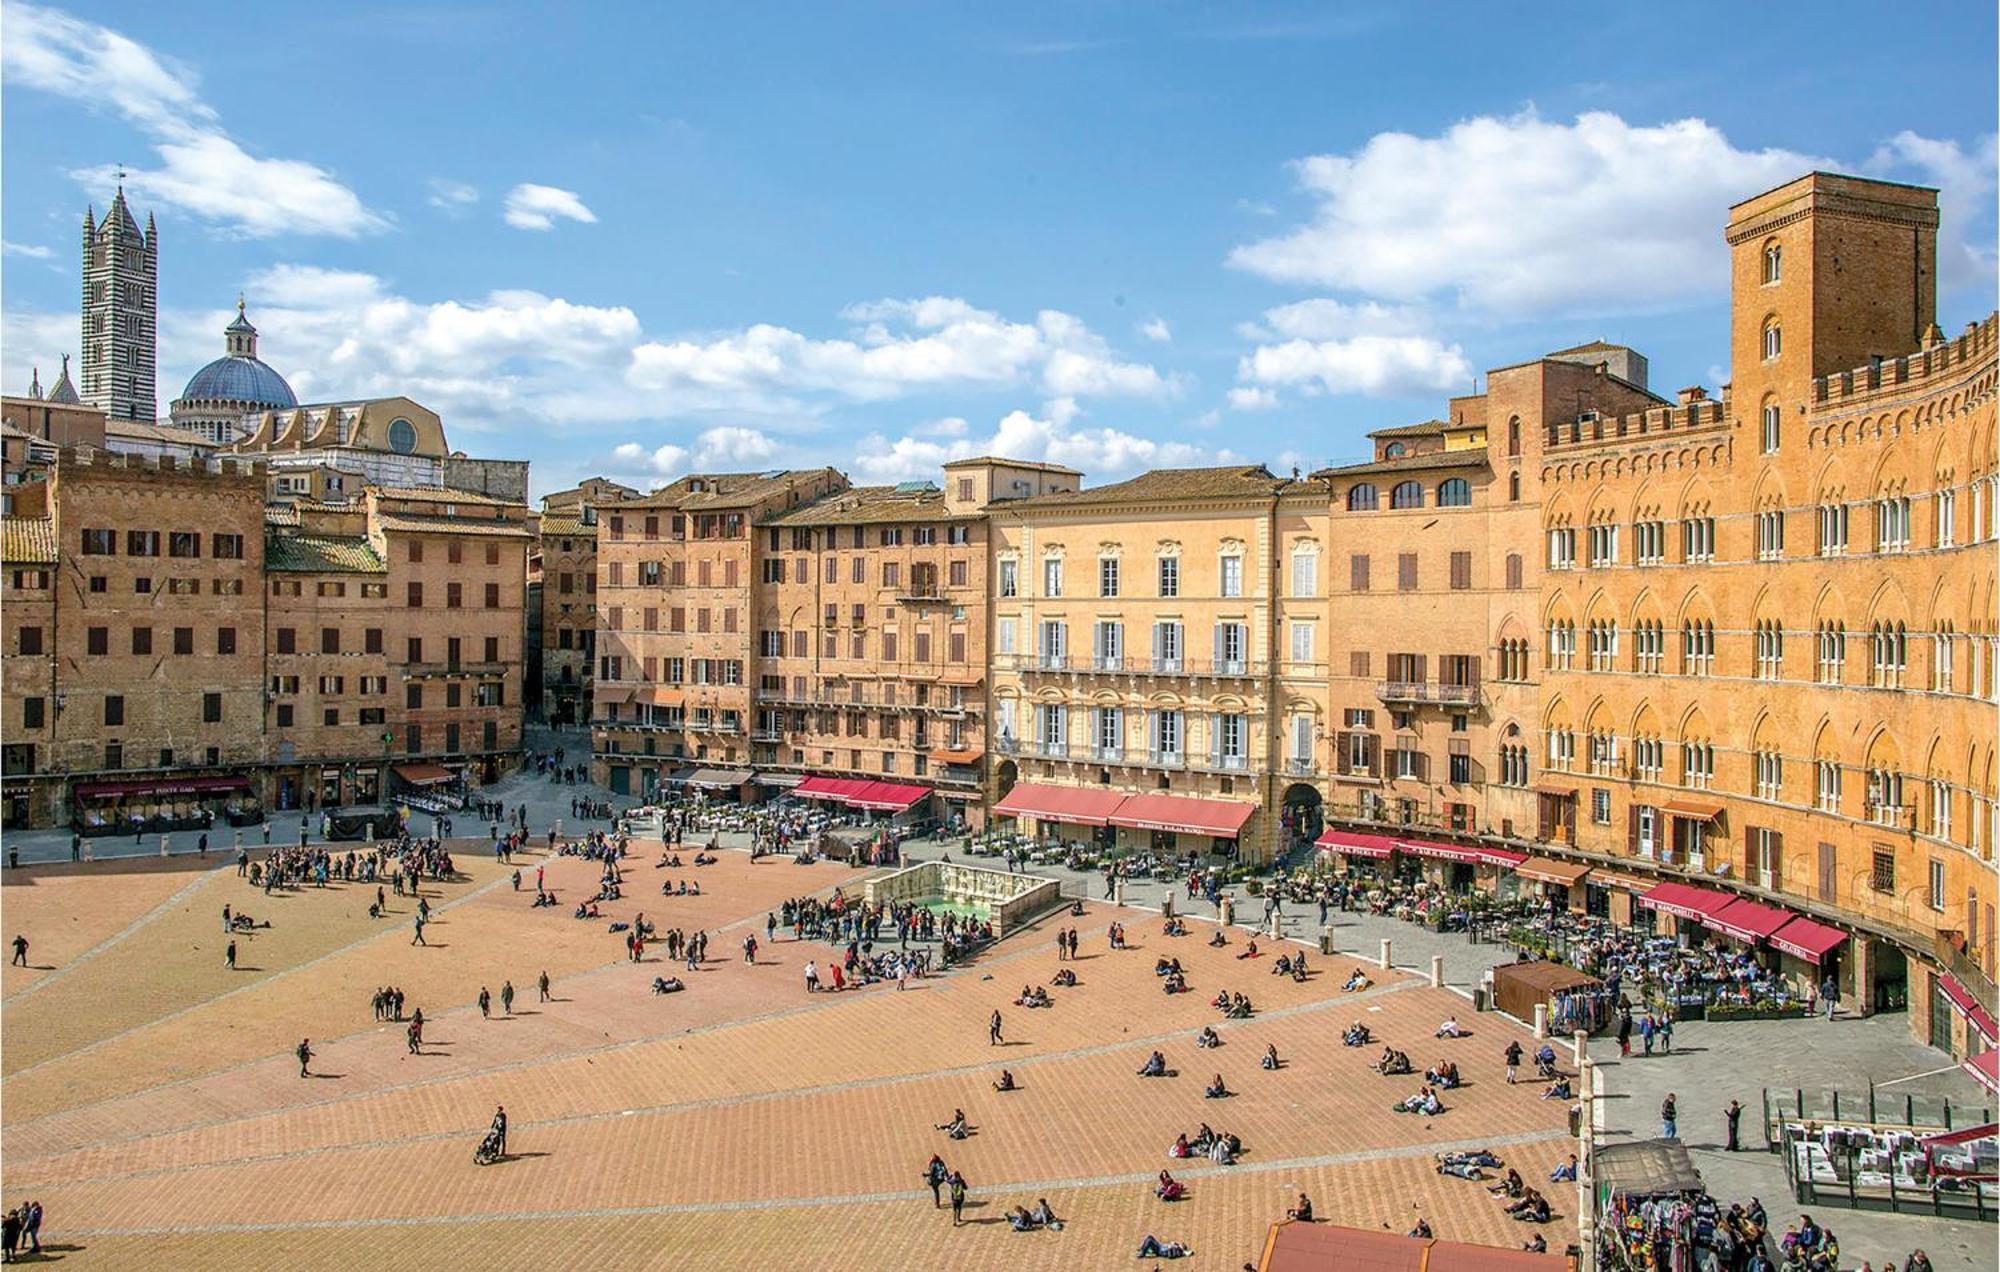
x=640, y=238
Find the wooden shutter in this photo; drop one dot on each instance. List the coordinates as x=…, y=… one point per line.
x=1357, y=572
x=1777, y=860
x=1827, y=881
x=1632, y=831
x=1342, y=750
x=1749, y=854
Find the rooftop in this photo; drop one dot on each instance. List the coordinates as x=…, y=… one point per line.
x=442, y=494
x=718, y=490
x=867, y=505
x=1469, y=458
x=28, y=540
x=322, y=554
x=1427, y=428
x=1035, y=464
x=413, y=523
x=1231, y=481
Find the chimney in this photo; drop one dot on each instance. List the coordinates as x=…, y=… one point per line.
x=1693, y=393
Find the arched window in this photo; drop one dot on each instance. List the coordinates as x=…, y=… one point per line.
x=1514, y=487
x=1774, y=340
x=1407, y=494
x=1514, y=436
x=1454, y=492
x=1394, y=450
x=1361, y=497
x=1774, y=262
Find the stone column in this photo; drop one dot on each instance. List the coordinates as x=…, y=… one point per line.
x=1437, y=971
x=1541, y=1020
x=1167, y=905
x=1581, y=1046
x=1326, y=939
x=1118, y=892
x=1385, y=954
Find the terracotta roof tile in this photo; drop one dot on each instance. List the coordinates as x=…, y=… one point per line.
x=1233, y=481
x=1472, y=458
x=1427, y=428
x=411, y=523
x=28, y=540
x=867, y=505
x=322, y=554
x=441, y=494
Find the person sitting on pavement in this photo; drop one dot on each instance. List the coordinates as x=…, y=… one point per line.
x=1216, y=1089
x=1392, y=1062
x=1511, y=1186
x=1249, y=951
x=1169, y=1188
x=667, y=985
x=1218, y=939
x=1356, y=980
x=1005, y=1082
x=1559, y=1090
x=957, y=1128
x=1270, y=1061
x=1020, y=1220
x=1045, y=1215
x=1356, y=1035
x=1207, y=1037
x=1155, y=1066
x=1444, y=1073
x=1175, y=983
x=1180, y=1147
x=1450, y=1029
x=1424, y=1101
x=1565, y=1172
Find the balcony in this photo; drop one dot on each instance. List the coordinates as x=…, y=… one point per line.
x=1296, y=767
x=712, y=724
x=1108, y=754
x=921, y=594
x=1419, y=691
x=1116, y=665
x=416, y=671
x=1166, y=759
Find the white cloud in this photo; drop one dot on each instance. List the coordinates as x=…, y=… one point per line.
x=452, y=196
x=536, y=207
x=1100, y=453
x=1324, y=319
x=31, y=340
x=899, y=347
x=32, y=251
x=1248, y=398
x=1965, y=183
x=1373, y=365
x=204, y=170
x=1157, y=329
x=1522, y=214
x=666, y=460
x=729, y=444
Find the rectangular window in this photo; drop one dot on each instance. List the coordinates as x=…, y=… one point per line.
x=492, y=596
x=416, y=594
x=184, y=543
x=1010, y=578
x=114, y=709
x=100, y=542
x=142, y=543
x=1052, y=577
x=1232, y=576
x=1107, y=576
x=225, y=640
x=31, y=640
x=1302, y=641
x=183, y=640
x=142, y=640
x=1882, y=874
x=1406, y=572
x=1170, y=576
x=1461, y=571
x=1003, y=636
x=454, y=594
x=211, y=708
x=329, y=640
x=1305, y=574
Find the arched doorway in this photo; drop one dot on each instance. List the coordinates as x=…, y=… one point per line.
x=1005, y=776
x=1303, y=814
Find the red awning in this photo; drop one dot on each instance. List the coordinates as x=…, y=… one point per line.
x=890, y=797
x=1080, y=805
x=1969, y=1006
x=164, y=786
x=1503, y=857
x=1748, y=920
x=1356, y=844
x=1442, y=852
x=1684, y=901
x=1809, y=940
x=1549, y=870
x=1986, y=1068
x=826, y=788
x=1695, y=809
x=1184, y=814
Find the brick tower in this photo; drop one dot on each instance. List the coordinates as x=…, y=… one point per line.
x=121, y=307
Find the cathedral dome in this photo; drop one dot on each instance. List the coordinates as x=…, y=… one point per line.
x=239, y=378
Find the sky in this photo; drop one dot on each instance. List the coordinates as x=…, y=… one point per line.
x=643, y=239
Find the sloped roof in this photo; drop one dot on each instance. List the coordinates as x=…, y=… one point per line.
x=566, y=524
x=1594, y=346
x=1426, y=428
x=719, y=490
x=412, y=523
x=28, y=540
x=867, y=505
x=1473, y=457
x=1232, y=481
x=442, y=494
x=322, y=554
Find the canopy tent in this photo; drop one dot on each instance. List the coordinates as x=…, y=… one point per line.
x=1646, y=1168
x=1694, y=809
x=1517, y=987
x=1986, y=1068
x=1184, y=814
x=780, y=781
x=1969, y=1006
x=1549, y=870
x=833, y=788
x=1808, y=940
x=1079, y=805
x=1749, y=921
x=1439, y=851
x=1291, y=1246
x=718, y=779
x=1355, y=843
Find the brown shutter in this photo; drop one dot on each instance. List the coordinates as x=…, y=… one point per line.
x=1357, y=572
x=1340, y=751
x=1632, y=831
x=1778, y=860
x=1749, y=853
x=1826, y=873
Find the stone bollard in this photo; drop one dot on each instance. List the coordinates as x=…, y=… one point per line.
x=1118, y=892
x=163, y=845
x=1385, y=954
x=1541, y=1020
x=1276, y=926
x=368, y=831
x=1167, y=905
x=1326, y=939
x=239, y=837
x=1581, y=1045
x=1226, y=908
x=1437, y=971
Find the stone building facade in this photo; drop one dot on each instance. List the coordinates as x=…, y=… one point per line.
x=566, y=572
x=121, y=313
x=174, y=643
x=676, y=655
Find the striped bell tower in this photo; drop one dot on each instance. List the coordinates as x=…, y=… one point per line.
x=121, y=307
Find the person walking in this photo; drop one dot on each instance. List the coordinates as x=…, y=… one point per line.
x=1625, y=1034
x=1670, y=1117
x=1829, y=996
x=1734, y=1116
x=1666, y=1032
x=229, y=956
x=20, y=951
x=507, y=997
x=500, y=1127
x=418, y=924
x=485, y=1004
x=935, y=1175
x=10, y=1234
x=31, y=1226
x=993, y=1038
x=542, y=986
x=1513, y=1058
x=305, y=1054
x=957, y=1199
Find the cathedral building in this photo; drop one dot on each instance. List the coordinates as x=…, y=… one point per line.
x=121, y=312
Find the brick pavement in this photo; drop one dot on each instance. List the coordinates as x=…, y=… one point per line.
x=784, y=1121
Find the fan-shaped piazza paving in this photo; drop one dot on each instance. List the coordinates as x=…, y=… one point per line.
x=153, y=1104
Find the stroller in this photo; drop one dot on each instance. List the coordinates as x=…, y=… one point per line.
x=488, y=1151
